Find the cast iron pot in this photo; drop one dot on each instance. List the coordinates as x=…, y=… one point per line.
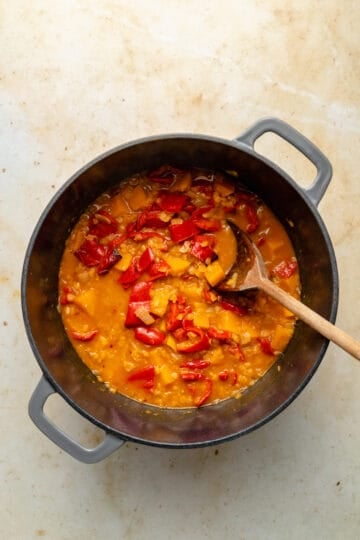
x=124, y=419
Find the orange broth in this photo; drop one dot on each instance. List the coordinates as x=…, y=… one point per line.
x=138, y=297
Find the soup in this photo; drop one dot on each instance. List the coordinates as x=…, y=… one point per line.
x=138, y=288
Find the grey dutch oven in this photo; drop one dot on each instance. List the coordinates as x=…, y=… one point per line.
x=124, y=419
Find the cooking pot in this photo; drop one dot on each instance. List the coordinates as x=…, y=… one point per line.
x=122, y=418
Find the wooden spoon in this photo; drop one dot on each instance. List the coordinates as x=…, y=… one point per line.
x=249, y=272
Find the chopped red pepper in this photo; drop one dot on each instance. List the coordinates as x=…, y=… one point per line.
x=207, y=385
x=90, y=252
x=224, y=375
x=101, y=224
x=203, y=186
x=202, y=247
x=139, y=298
x=235, y=308
x=285, y=269
x=158, y=270
x=112, y=255
x=190, y=376
x=183, y=231
x=221, y=335
x=137, y=266
x=141, y=292
x=130, y=275
x=176, y=313
x=146, y=373
x=210, y=296
x=244, y=197
x=252, y=217
x=171, y=201
x=266, y=347
x=150, y=336
x=201, y=210
x=236, y=350
x=261, y=240
x=153, y=218
x=180, y=334
x=202, y=342
x=196, y=364
x=146, y=259
x=210, y=225
x=84, y=336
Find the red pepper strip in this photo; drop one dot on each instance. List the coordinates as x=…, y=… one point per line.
x=150, y=336
x=190, y=376
x=206, y=394
x=261, y=240
x=266, y=347
x=200, y=211
x=229, y=306
x=244, y=197
x=101, y=223
x=149, y=385
x=183, y=231
x=285, y=269
x=110, y=258
x=252, y=217
x=180, y=334
x=158, y=270
x=139, y=298
x=141, y=292
x=130, y=275
x=202, y=247
x=177, y=308
x=221, y=335
x=164, y=174
x=195, y=364
x=190, y=208
x=224, y=375
x=131, y=317
x=171, y=201
x=84, y=336
x=90, y=252
x=153, y=218
x=146, y=373
x=236, y=350
x=146, y=259
x=210, y=225
x=137, y=267
x=130, y=229
x=234, y=377
x=210, y=296
x=201, y=344
x=229, y=209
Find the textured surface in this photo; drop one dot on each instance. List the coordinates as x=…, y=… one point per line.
x=78, y=77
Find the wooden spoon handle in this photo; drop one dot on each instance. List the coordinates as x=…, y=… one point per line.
x=312, y=318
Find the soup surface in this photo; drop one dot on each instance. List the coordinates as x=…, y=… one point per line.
x=137, y=288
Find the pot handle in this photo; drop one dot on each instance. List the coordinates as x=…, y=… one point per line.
x=87, y=455
x=301, y=143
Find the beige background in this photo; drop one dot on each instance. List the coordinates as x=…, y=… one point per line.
x=80, y=76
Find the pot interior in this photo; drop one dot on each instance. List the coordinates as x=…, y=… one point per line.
x=177, y=427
